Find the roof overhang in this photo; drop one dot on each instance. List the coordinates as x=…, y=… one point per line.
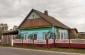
x=10, y=32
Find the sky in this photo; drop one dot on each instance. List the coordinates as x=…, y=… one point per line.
x=69, y=12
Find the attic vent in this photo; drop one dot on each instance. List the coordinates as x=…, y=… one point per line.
x=46, y=12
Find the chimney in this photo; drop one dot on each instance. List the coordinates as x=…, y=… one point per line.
x=46, y=12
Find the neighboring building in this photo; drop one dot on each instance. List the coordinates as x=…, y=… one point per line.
x=8, y=36
x=81, y=35
x=3, y=27
x=40, y=29
x=73, y=32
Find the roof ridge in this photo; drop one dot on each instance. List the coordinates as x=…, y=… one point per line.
x=50, y=19
x=54, y=22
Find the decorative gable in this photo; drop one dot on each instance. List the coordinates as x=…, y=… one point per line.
x=33, y=15
x=33, y=20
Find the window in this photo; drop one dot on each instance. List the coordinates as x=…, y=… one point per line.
x=51, y=36
x=28, y=36
x=33, y=16
x=45, y=35
x=32, y=36
x=64, y=36
x=58, y=35
x=35, y=36
x=61, y=35
x=18, y=36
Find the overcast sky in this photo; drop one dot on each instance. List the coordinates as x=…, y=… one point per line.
x=69, y=12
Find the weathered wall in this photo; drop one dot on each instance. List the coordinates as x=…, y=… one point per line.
x=38, y=22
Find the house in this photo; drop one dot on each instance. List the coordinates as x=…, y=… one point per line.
x=38, y=24
x=38, y=28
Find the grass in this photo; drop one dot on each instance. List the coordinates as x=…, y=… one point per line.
x=70, y=50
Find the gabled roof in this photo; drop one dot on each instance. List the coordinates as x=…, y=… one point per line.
x=75, y=29
x=48, y=18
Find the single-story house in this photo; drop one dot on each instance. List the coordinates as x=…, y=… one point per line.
x=41, y=29
x=40, y=26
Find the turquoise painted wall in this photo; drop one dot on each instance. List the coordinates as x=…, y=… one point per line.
x=38, y=31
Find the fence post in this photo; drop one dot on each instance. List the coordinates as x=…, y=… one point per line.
x=47, y=43
x=22, y=41
x=54, y=43
x=33, y=42
x=69, y=42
